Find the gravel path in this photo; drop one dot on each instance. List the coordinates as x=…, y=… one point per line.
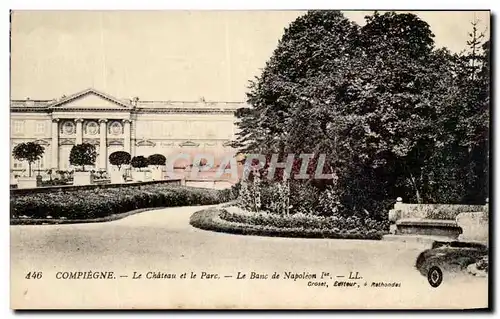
x=162, y=241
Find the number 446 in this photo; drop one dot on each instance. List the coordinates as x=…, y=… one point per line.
x=34, y=275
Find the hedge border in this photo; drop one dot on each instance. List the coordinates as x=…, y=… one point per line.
x=47, y=221
x=209, y=219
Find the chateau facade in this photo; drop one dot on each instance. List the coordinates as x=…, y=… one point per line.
x=111, y=124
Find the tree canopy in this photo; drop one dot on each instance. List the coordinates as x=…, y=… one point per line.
x=157, y=160
x=119, y=158
x=83, y=154
x=139, y=162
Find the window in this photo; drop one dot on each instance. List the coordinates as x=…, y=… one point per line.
x=18, y=127
x=40, y=128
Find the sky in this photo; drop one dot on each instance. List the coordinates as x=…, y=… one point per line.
x=166, y=55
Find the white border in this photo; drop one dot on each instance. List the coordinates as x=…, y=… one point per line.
x=250, y=5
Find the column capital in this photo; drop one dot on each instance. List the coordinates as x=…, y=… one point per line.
x=127, y=121
x=78, y=120
x=103, y=121
x=55, y=120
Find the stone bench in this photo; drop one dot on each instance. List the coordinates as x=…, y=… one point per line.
x=462, y=222
x=428, y=227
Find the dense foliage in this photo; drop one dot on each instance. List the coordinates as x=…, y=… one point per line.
x=139, y=162
x=88, y=204
x=29, y=152
x=157, y=160
x=395, y=116
x=303, y=226
x=83, y=154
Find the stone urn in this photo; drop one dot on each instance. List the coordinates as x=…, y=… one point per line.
x=82, y=178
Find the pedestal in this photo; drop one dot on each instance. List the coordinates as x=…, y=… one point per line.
x=157, y=174
x=117, y=177
x=140, y=176
x=26, y=182
x=82, y=178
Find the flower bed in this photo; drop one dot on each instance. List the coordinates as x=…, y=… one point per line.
x=298, y=225
x=89, y=204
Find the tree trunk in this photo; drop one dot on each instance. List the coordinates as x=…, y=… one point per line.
x=417, y=192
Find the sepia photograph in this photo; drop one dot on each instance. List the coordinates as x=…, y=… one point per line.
x=263, y=159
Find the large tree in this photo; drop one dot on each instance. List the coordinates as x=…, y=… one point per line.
x=464, y=121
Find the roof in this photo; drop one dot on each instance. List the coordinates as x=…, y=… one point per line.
x=128, y=103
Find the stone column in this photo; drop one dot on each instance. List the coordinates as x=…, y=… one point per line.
x=103, y=147
x=79, y=133
x=126, y=136
x=133, y=136
x=54, y=163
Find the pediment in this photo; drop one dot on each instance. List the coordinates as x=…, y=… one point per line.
x=90, y=99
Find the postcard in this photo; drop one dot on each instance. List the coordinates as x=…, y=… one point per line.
x=319, y=159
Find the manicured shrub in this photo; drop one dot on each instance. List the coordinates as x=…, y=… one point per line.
x=119, y=158
x=29, y=152
x=306, y=221
x=86, y=204
x=139, y=162
x=157, y=160
x=83, y=154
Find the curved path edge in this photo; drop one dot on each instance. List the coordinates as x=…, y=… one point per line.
x=54, y=221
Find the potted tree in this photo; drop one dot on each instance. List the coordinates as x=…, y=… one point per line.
x=157, y=161
x=139, y=163
x=29, y=152
x=118, y=159
x=81, y=155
